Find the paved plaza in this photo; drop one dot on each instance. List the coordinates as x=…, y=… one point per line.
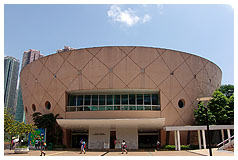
x=202, y=152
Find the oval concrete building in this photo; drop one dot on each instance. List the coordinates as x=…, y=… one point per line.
x=118, y=93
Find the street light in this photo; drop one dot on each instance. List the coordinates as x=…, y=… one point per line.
x=205, y=100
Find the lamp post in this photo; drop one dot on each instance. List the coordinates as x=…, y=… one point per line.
x=205, y=100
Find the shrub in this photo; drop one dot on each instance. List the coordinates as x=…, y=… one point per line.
x=169, y=147
x=183, y=147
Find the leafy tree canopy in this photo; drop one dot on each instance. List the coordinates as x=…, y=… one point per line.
x=227, y=90
x=219, y=107
x=13, y=127
x=220, y=110
x=200, y=115
x=44, y=121
x=231, y=109
x=54, y=132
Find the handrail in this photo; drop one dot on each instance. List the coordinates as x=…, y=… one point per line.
x=228, y=139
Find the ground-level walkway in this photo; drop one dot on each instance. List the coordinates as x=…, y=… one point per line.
x=202, y=152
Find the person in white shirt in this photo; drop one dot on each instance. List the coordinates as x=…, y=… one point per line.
x=37, y=144
x=15, y=141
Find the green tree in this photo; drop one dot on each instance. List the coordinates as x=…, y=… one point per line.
x=219, y=107
x=200, y=115
x=54, y=132
x=8, y=122
x=220, y=110
x=231, y=109
x=23, y=128
x=14, y=128
x=227, y=90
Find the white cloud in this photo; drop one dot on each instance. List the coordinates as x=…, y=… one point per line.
x=127, y=17
x=146, y=18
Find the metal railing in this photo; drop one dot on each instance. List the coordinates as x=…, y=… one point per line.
x=225, y=142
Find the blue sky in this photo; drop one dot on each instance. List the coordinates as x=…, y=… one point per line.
x=203, y=30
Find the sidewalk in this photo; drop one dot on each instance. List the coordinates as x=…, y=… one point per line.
x=202, y=152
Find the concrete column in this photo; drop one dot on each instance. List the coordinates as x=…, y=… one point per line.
x=163, y=137
x=204, y=139
x=222, y=135
x=67, y=137
x=178, y=138
x=199, y=140
x=228, y=134
x=175, y=140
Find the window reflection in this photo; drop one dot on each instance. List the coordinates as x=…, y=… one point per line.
x=116, y=99
x=109, y=99
x=102, y=100
x=155, y=99
x=72, y=100
x=94, y=99
x=87, y=99
x=80, y=101
x=132, y=99
x=139, y=98
x=124, y=99
x=117, y=108
x=147, y=100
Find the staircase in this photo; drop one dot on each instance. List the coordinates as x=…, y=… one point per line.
x=227, y=144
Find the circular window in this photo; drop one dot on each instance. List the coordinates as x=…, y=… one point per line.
x=181, y=103
x=47, y=105
x=26, y=109
x=34, y=107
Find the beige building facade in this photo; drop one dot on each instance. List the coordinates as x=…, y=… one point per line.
x=108, y=94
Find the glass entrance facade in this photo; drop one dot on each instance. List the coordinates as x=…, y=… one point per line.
x=106, y=102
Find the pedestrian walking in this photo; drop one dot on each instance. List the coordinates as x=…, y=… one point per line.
x=15, y=141
x=123, y=147
x=115, y=142
x=42, y=146
x=12, y=143
x=83, y=146
x=157, y=145
x=37, y=144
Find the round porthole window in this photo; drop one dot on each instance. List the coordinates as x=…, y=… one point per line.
x=181, y=103
x=26, y=109
x=34, y=107
x=47, y=105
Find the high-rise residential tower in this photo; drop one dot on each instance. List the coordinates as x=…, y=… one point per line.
x=28, y=57
x=11, y=69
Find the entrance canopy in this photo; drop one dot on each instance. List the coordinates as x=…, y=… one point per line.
x=140, y=123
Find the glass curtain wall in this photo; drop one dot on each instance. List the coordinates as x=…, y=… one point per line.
x=113, y=102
